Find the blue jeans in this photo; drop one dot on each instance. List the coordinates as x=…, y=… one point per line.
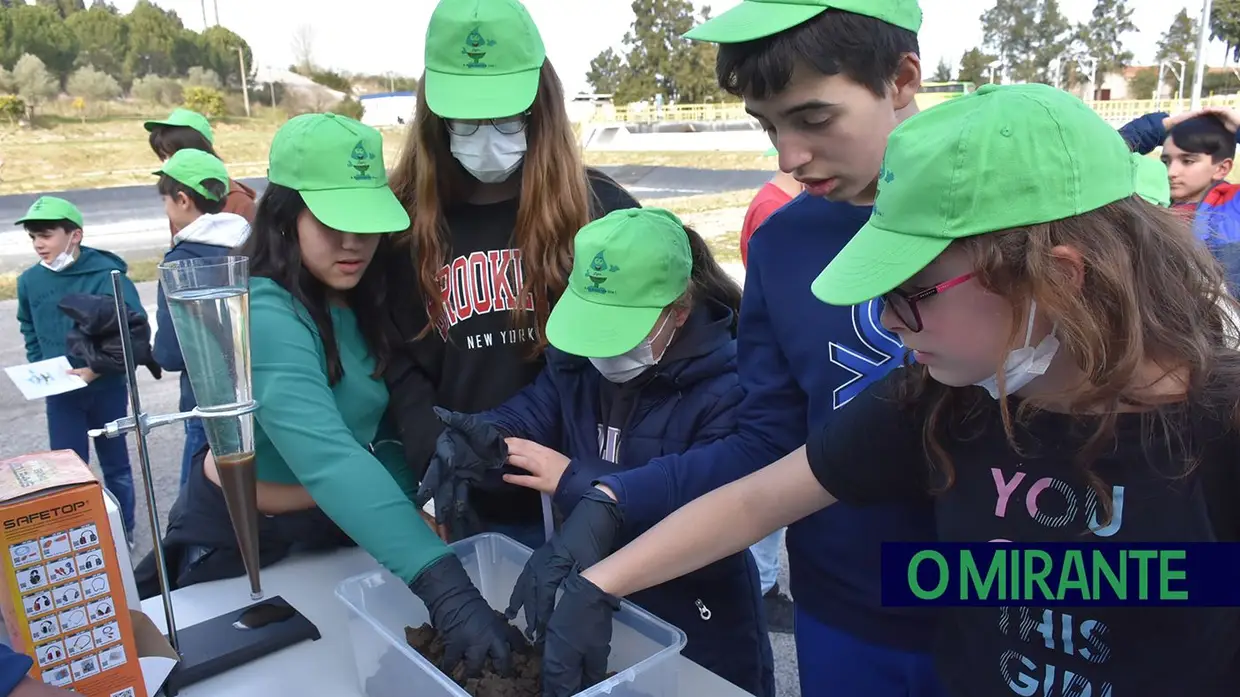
x=766, y=555
x=72, y=414
x=833, y=663
x=195, y=439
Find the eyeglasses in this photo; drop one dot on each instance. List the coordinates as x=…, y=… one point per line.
x=905, y=304
x=509, y=126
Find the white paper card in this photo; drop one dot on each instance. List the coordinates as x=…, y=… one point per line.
x=49, y=377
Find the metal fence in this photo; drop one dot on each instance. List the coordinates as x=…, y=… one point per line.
x=1117, y=111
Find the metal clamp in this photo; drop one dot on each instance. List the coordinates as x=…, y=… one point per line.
x=128, y=424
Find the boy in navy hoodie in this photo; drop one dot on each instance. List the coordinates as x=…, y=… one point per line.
x=828, y=80
x=67, y=267
x=194, y=186
x=643, y=362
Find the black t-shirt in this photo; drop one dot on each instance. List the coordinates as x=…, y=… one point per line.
x=479, y=355
x=873, y=452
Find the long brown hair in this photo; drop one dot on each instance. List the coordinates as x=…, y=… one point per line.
x=1152, y=295
x=554, y=201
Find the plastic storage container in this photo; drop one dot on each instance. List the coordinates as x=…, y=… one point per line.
x=644, y=648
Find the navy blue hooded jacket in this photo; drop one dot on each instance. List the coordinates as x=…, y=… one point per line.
x=688, y=400
x=208, y=236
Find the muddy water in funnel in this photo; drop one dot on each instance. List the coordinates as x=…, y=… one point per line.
x=239, y=481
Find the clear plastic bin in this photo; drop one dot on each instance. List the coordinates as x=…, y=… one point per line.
x=644, y=648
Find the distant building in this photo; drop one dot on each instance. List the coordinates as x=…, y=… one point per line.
x=388, y=108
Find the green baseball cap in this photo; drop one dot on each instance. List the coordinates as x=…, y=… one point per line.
x=188, y=119
x=627, y=267
x=757, y=19
x=483, y=59
x=336, y=164
x=1003, y=157
x=48, y=208
x=193, y=167
x=1152, y=183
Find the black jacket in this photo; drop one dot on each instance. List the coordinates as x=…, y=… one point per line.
x=95, y=339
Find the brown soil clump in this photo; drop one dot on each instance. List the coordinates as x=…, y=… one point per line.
x=526, y=678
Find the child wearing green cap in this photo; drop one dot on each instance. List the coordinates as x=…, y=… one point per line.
x=1074, y=383
x=185, y=129
x=496, y=188
x=643, y=362
x=194, y=185
x=828, y=80
x=318, y=352
x=67, y=267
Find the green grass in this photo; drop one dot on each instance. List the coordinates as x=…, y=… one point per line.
x=726, y=247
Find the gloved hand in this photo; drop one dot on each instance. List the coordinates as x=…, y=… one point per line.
x=586, y=537
x=467, y=450
x=471, y=630
x=578, y=639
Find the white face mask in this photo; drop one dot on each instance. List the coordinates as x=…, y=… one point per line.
x=488, y=155
x=62, y=261
x=620, y=369
x=1026, y=363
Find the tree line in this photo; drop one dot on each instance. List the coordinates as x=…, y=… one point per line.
x=1022, y=41
x=66, y=35
x=1032, y=41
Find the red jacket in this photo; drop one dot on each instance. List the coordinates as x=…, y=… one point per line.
x=769, y=199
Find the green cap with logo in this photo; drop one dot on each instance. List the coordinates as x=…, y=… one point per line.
x=483, y=59
x=627, y=267
x=1001, y=158
x=188, y=119
x=50, y=208
x=336, y=164
x=757, y=19
x=194, y=167
x=1153, y=184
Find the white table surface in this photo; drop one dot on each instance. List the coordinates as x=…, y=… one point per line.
x=324, y=667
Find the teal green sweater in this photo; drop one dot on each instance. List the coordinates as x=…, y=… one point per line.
x=39, y=291
x=316, y=435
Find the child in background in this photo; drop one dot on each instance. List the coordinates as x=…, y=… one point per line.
x=194, y=185
x=185, y=129
x=1199, y=150
x=67, y=267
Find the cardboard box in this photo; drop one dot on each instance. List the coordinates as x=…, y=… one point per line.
x=63, y=599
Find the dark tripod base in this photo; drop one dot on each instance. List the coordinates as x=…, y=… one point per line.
x=236, y=638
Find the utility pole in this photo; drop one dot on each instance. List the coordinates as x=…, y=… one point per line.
x=1203, y=38
x=204, y=14
x=217, y=11
x=245, y=88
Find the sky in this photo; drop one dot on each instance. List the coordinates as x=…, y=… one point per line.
x=381, y=36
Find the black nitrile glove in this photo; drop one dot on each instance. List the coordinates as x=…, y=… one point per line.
x=467, y=451
x=585, y=538
x=470, y=628
x=578, y=639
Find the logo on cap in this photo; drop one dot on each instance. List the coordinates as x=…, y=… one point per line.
x=359, y=160
x=599, y=268
x=475, y=47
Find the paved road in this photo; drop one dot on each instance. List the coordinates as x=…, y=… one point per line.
x=26, y=432
x=129, y=220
